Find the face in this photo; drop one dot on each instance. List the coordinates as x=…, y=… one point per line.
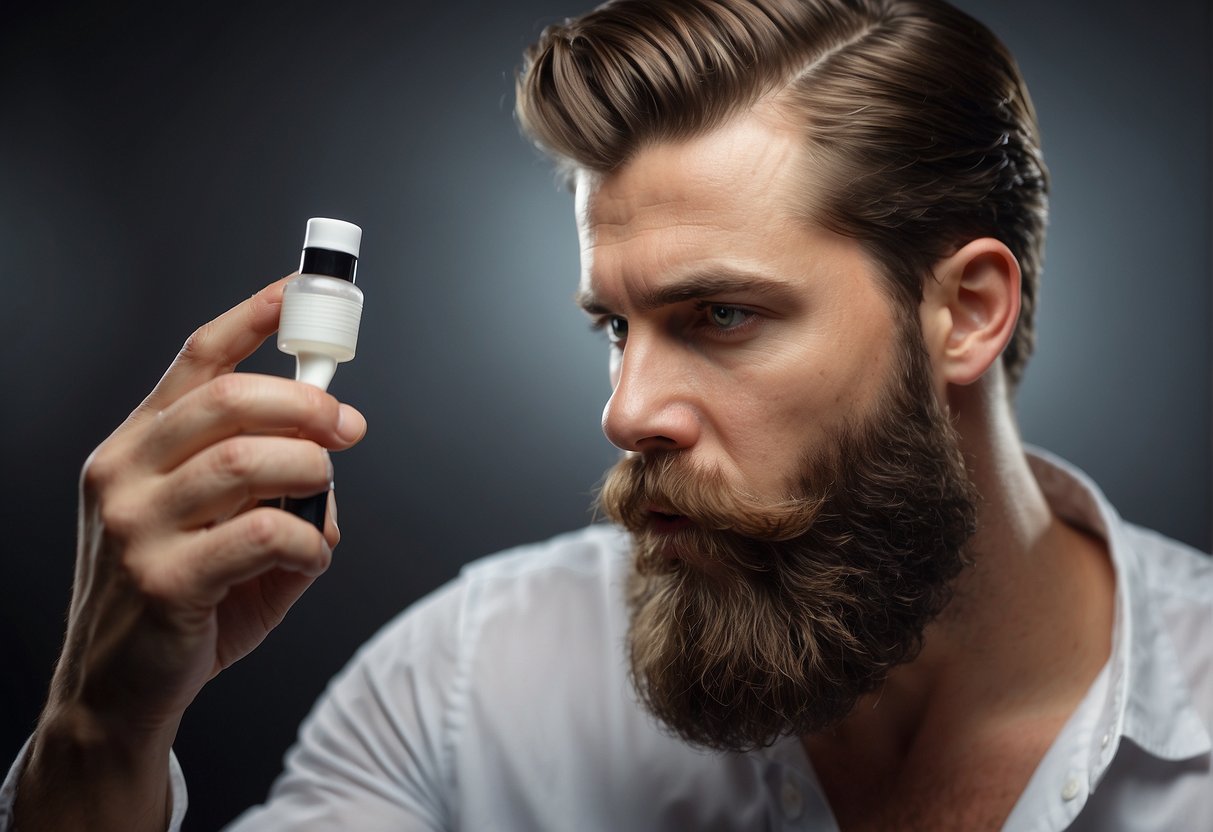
x=796, y=497
x=740, y=331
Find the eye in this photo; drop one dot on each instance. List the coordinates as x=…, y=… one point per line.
x=727, y=317
x=616, y=328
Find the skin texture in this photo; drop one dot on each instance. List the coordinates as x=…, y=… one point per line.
x=179, y=573
x=736, y=397
x=743, y=379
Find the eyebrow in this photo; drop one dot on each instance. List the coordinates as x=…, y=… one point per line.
x=697, y=287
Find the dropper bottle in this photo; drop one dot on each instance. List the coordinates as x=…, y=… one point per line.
x=321, y=311
x=321, y=308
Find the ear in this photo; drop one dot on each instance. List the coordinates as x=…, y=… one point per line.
x=969, y=310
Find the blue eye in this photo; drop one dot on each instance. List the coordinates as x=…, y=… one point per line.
x=727, y=317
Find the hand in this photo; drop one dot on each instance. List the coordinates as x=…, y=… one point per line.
x=179, y=572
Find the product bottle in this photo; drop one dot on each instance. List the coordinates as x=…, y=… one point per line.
x=321, y=310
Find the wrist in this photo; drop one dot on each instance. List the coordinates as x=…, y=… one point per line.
x=74, y=730
x=82, y=772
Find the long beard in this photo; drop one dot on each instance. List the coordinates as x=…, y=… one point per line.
x=758, y=620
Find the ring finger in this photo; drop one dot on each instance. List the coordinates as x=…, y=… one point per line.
x=221, y=480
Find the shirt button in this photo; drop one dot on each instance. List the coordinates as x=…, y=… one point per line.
x=1104, y=740
x=791, y=798
x=1070, y=790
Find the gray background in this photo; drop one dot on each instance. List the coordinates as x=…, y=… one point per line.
x=158, y=162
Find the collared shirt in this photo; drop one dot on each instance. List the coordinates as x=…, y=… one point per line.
x=502, y=701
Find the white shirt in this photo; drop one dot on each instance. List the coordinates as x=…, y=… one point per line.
x=502, y=702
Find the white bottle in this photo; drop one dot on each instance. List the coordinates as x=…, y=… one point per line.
x=322, y=308
x=321, y=311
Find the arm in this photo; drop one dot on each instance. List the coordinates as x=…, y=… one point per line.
x=179, y=572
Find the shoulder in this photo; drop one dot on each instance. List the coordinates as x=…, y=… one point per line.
x=519, y=592
x=448, y=679
x=594, y=553
x=523, y=582
x=1173, y=585
x=580, y=573
x=1168, y=569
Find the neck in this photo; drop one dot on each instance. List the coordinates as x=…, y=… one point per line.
x=1029, y=626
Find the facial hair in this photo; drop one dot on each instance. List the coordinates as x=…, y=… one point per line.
x=762, y=619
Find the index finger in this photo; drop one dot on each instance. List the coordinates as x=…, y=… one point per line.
x=217, y=347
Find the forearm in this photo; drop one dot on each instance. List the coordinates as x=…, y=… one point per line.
x=81, y=774
x=179, y=571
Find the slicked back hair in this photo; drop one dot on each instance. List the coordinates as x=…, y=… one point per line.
x=918, y=125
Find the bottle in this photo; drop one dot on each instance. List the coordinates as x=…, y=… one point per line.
x=321, y=308
x=321, y=311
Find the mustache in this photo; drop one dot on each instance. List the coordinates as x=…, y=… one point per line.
x=636, y=486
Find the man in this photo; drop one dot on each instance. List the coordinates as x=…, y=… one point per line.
x=839, y=593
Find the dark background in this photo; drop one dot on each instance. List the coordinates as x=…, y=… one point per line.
x=158, y=163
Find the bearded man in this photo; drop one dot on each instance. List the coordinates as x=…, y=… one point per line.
x=838, y=594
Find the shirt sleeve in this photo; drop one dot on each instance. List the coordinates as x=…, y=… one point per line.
x=375, y=753
x=8, y=791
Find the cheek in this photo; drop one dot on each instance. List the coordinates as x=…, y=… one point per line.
x=851, y=367
x=769, y=418
x=817, y=381
x=777, y=414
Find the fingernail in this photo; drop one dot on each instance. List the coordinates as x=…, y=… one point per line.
x=350, y=424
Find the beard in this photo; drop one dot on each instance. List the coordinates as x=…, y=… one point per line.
x=760, y=619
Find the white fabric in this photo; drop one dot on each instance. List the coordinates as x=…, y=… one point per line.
x=502, y=702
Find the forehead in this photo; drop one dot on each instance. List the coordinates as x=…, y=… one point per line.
x=716, y=179
x=732, y=203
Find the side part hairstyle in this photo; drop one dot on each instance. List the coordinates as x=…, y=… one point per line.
x=919, y=127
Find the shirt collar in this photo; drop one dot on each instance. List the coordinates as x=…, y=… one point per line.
x=1147, y=698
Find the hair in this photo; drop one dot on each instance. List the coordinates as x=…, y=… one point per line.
x=918, y=124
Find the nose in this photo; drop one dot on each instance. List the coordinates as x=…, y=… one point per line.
x=649, y=411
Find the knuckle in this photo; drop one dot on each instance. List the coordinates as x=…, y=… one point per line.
x=120, y=518
x=315, y=400
x=163, y=584
x=197, y=346
x=99, y=470
x=235, y=458
x=264, y=530
x=228, y=392
x=204, y=346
